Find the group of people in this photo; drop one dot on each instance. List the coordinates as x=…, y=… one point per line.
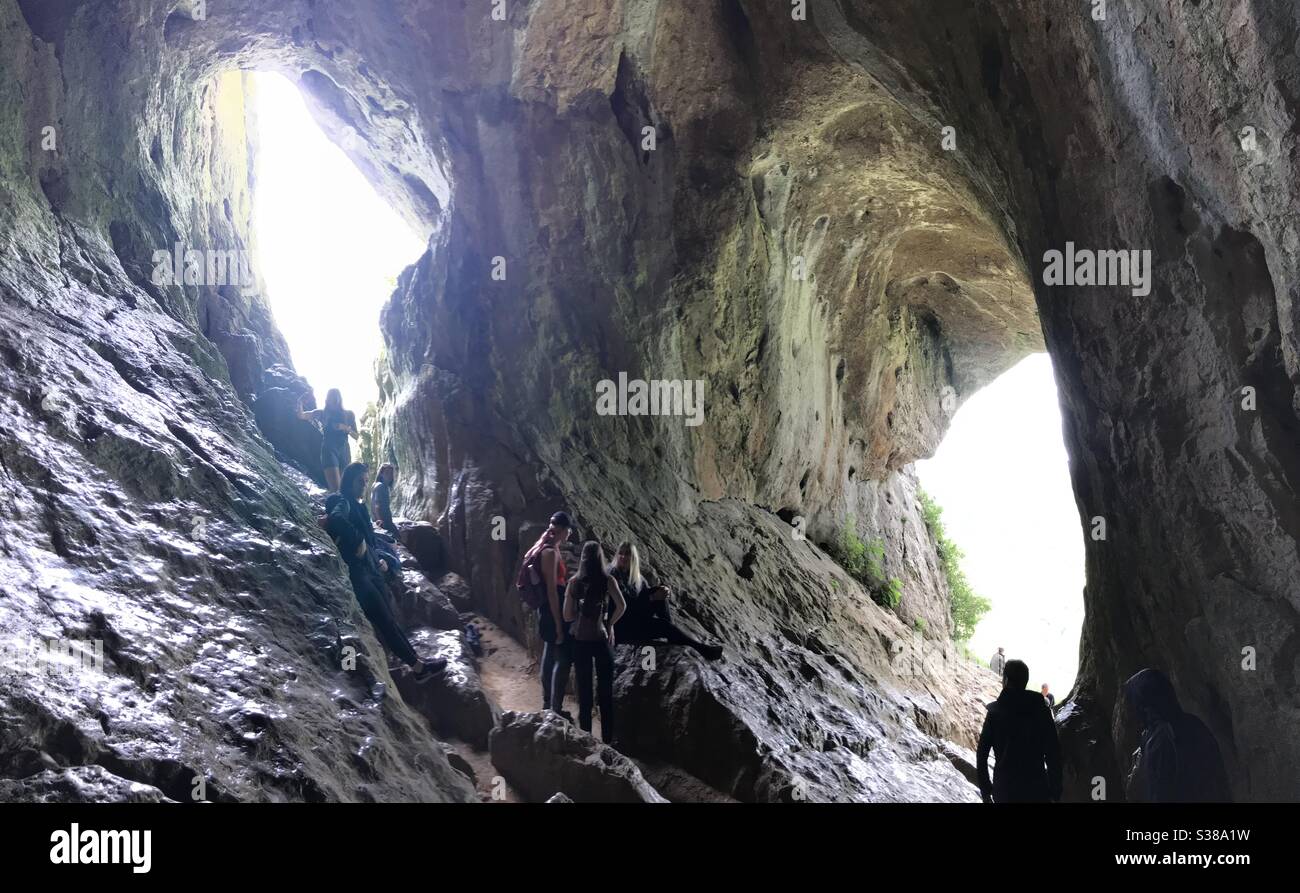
x=998, y=663
x=580, y=622
x=370, y=554
x=581, y=619
x=372, y=559
x=1178, y=760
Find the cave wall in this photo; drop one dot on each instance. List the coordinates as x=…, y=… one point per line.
x=776, y=141
x=1132, y=132
x=819, y=140
x=141, y=506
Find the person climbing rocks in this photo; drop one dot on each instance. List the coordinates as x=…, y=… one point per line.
x=550, y=620
x=1019, y=730
x=350, y=525
x=585, y=599
x=336, y=424
x=648, y=618
x=1178, y=760
x=998, y=663
x=1048, y=697
x=380, y=496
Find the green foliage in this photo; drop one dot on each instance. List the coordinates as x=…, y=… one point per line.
x=919, y=624
x=865, y=562
x=966, y=605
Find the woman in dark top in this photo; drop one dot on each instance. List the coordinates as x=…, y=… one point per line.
x=348, y=522
x=585, y=599
x=336, y=423
x=647, y=617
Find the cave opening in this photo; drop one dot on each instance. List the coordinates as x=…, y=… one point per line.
x=1001, y=476
x=330, y=248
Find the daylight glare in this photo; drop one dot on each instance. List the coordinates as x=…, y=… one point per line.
x=1002, y=478
x=329, y=248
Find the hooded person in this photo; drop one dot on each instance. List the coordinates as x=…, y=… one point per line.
x=1019, y=730
x=1178, y=760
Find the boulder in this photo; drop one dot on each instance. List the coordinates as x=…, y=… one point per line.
x=559, y=797
x=276, y=412
x=453, y=701
x=424, y=543
x=78, y=784
x=418, y=603
x=539, y=752
x=454, y=587
x=458, y=762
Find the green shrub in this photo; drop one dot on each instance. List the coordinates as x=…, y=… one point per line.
x=966, y=606
x=865, y=562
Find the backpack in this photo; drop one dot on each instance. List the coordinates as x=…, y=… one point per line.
x=530, y=583
x=591, y=611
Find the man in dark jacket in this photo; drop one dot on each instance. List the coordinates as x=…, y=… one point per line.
x=1179, y=760
x=349, y=524
x=1020, y=732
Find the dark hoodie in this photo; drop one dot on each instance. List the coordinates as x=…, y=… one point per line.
x=1179, y=760
x=1020, y=732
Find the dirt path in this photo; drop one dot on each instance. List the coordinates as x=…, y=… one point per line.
x=510, y=678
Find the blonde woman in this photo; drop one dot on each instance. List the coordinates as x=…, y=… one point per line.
x=647, y=618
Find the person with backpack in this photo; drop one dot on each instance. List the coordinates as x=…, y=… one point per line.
x=541, y=579
x=585, y=599
x=1179, y=759
x=336, y=423
x=1020, y=732
x=647, y=618
x=348, y=523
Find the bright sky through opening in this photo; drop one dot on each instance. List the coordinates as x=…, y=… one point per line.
x=330, y=250
x=1002, y=477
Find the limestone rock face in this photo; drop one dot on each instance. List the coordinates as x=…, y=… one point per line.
x=799, y=240
x=713, y=193
x=142, y=509
x=538, y=753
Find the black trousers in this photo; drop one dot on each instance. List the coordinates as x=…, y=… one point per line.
x=556, y=660
x=585, y=655
x=372, y=595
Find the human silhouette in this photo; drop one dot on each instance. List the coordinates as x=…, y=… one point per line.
x=998, y=663
x=1178, y=760
x=1048, y=696
x=1020, y=732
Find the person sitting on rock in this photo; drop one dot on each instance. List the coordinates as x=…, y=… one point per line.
x=550, y=619
x=648, y=618
x=585, y=599
x=349, y=524
x=380, y=496
x=336, y=424
x=1019, y=730
x=1179, y=760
